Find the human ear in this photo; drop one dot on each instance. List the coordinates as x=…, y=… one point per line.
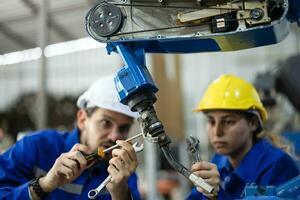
x=253, y=124
x=81, y=117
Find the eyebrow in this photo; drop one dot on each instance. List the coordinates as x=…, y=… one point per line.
x=110, y=118
x=224, y=116
x=114, y=120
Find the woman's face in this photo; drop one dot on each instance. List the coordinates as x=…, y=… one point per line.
x=229, y=133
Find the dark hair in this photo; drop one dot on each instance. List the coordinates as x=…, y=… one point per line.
x=275, y=139
x=90, y=111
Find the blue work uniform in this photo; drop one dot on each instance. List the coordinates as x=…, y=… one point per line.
x=34, y=156
x=264, y=165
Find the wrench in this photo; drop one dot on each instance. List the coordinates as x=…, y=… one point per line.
x=194, y=149
x=193, y=146
x=95, y=192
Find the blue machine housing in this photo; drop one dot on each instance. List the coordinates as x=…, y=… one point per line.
x=288, y=191
x=294, y=11
x=262, y=35
x=135, y=77
x=231, y=41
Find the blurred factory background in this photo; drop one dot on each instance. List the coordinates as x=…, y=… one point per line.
x=47, y=60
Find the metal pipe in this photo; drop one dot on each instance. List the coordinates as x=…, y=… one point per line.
x=41, y=118
x=198, y=181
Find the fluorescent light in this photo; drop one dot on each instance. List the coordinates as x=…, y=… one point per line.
x=72, y=46
x=51, y=50
x=20, y=56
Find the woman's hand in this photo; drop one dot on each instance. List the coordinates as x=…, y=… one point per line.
x=209, y=172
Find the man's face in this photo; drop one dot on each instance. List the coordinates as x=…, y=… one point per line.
x=103, y=127
x=229, y=133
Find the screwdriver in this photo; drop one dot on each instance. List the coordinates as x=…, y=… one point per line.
x=100, y=153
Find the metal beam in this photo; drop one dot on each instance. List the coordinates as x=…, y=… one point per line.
x=51, y=12
x=151, y=169
x=60, y=30
x=41, y=120
x=16, y=38
x=91, y=2
x=34, y=9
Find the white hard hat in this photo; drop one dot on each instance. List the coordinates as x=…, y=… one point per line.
x=103, y=94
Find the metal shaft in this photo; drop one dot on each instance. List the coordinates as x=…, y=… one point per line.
x=129, y=139
x=95, y=155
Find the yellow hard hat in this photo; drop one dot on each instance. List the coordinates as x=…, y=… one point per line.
x=230, y=92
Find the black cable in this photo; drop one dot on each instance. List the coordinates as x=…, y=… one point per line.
x=179, y=7
x=175, y=27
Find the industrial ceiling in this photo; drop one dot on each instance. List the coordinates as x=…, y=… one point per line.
x=19, y=28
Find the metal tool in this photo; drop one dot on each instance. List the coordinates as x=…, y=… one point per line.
x=193, y=146
x=101, y=153
x=95, y=192
x=135, y=145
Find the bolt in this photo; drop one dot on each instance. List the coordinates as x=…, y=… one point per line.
x=162, y=137
x=257, y=14
x=144, y=116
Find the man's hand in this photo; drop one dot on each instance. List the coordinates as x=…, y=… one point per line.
x=122, y=165
x=67, y=167
x=209, y=172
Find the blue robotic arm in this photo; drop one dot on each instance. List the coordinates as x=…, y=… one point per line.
x=137, y=90
x=134, y=77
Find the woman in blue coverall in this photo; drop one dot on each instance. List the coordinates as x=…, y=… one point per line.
x=49, y=164
x=244, y=155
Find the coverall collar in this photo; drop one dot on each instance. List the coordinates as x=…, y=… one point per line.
x=72, y=138
x=249, y=165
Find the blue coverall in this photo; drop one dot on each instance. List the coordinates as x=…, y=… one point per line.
x=264, y=165
x=35, y=154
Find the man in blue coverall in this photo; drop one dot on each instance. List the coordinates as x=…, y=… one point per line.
x=49, y=164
